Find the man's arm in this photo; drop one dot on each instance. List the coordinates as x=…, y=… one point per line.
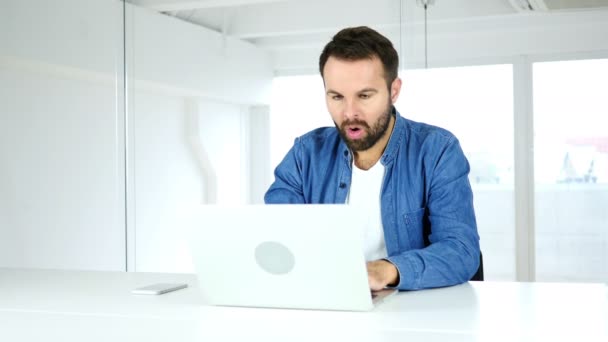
x=453, y=254
x=287, y=185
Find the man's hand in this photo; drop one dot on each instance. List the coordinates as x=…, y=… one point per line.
x=381, y=273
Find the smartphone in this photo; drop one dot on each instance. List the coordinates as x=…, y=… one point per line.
x=158, y=289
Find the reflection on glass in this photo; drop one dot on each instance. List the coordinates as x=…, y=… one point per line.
x=571, y=170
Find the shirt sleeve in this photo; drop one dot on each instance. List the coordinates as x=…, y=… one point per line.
x=287, y=185
x=452, y=256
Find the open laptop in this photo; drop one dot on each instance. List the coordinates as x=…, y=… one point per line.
x=282, y=256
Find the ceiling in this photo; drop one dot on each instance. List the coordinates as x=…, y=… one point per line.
x=255, y=19
x=291, y=26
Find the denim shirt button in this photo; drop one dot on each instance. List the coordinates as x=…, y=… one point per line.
x=342, y=185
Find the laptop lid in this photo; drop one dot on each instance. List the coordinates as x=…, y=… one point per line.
x=281, y=256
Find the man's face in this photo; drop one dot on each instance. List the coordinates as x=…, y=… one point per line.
x=359, y=100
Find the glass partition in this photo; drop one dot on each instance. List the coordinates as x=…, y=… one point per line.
x=117, y=116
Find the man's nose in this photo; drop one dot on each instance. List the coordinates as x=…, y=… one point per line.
x=351, y=110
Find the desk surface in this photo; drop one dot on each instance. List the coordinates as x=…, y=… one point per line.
x=47, y=305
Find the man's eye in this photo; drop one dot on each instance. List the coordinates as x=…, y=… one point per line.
x=336, y=97
x=364, y=96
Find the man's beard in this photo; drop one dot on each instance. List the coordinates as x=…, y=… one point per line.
x=373, y=134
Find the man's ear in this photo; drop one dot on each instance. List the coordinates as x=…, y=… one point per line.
x=395, y=89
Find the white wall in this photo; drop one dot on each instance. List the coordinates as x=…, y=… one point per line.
x=61, y=188
x=164, y=174
x=79, y=35
x=61, y=159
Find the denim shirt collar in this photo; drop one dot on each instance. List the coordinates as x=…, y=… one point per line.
x=391, y=147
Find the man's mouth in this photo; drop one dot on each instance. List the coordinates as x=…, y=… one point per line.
x=354, y=132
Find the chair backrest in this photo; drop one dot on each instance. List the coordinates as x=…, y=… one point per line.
x=478, y=276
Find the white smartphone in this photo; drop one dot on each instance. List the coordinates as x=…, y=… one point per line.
x=157, y=289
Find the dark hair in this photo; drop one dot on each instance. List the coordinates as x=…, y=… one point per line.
x=357, y=43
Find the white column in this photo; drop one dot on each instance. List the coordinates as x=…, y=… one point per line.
x=524, y=170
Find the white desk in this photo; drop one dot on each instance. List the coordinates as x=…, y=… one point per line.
x=38, y=305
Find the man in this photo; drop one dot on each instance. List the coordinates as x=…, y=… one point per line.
x=410, y=177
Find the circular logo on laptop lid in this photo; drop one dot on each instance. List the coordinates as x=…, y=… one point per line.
x=274, y=257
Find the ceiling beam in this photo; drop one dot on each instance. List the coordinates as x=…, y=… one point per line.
x=181, y=5
x=318, y=16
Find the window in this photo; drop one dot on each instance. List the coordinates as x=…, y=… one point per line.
x=571, y=170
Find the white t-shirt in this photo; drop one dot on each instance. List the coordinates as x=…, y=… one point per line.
x=365, y=193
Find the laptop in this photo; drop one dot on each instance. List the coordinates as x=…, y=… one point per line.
x=299, y=256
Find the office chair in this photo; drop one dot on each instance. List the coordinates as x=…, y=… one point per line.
x=478, y=276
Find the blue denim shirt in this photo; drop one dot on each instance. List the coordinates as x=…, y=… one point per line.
x=426, y=199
